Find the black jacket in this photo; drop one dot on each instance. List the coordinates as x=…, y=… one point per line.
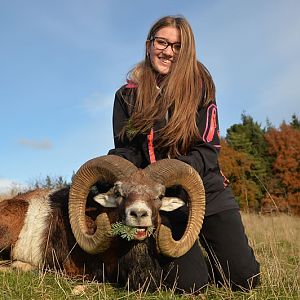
x=203, y=155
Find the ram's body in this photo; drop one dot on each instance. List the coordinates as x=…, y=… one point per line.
x=35, y=231
x=42, y=229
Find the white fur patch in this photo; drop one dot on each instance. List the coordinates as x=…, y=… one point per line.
x=171, y=203
x=138, y=214
x=22, y=266
x=28, y=247
x=106, y=200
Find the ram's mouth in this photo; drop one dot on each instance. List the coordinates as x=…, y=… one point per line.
x=131, y=233
x=141, y=233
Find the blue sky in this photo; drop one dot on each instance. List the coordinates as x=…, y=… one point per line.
x=61, y=62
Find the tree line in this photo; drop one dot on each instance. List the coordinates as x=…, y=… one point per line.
x=263, y=165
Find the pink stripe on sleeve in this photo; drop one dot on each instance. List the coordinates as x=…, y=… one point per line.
x=210, y=123
x=151, y=146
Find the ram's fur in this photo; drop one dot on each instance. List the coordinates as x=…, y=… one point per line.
x=70, y=229
x=35, y=229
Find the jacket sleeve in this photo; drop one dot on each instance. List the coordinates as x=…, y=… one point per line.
x=123, y=147
x=203, y=155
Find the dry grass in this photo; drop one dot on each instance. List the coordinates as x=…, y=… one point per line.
x=275, y=239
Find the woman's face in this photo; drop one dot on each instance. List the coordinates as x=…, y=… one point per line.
x=164, y=48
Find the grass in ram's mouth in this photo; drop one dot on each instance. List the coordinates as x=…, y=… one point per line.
x=127, y=232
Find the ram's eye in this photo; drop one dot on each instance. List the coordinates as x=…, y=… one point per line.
x=118, y=194
x=160, y=197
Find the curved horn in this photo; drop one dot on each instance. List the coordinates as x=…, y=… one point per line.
x=174, y=172
x=109, y=168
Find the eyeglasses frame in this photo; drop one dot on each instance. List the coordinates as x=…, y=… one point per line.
x=168, y=44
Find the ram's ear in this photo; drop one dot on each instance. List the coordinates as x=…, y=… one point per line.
x=106, y=200
x=171, y=203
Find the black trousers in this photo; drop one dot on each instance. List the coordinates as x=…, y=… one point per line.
x=229, y=259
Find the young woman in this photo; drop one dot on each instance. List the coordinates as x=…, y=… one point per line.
x=167, y=109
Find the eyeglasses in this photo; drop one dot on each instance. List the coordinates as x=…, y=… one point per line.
x=161, y=44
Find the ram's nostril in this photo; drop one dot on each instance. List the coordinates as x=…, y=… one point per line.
x=138, y=213
x=133, y=214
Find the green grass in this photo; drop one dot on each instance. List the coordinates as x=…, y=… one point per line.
x=275, y=239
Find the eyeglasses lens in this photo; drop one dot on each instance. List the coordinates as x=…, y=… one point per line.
x=162, y=44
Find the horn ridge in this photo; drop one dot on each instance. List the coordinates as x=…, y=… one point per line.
x=108, y=168
x=174, y=172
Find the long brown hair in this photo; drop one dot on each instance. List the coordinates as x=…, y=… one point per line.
x=183, y=89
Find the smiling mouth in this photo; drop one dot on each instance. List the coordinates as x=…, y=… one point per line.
x=165, y=61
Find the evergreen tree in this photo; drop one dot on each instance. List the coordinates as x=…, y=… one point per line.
x=248, y=137
x=295, y=123
x=49, y=183
x=269, y=125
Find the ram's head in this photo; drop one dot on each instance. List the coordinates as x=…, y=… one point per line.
x=137, y=196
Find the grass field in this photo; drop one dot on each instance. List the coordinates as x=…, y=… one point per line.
x=275, y=239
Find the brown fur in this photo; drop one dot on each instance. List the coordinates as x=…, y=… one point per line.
x=123, y=260
x=61, y=251
x=139, y=186
x=12, y=214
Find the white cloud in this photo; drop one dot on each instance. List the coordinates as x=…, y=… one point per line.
x=41, y=145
